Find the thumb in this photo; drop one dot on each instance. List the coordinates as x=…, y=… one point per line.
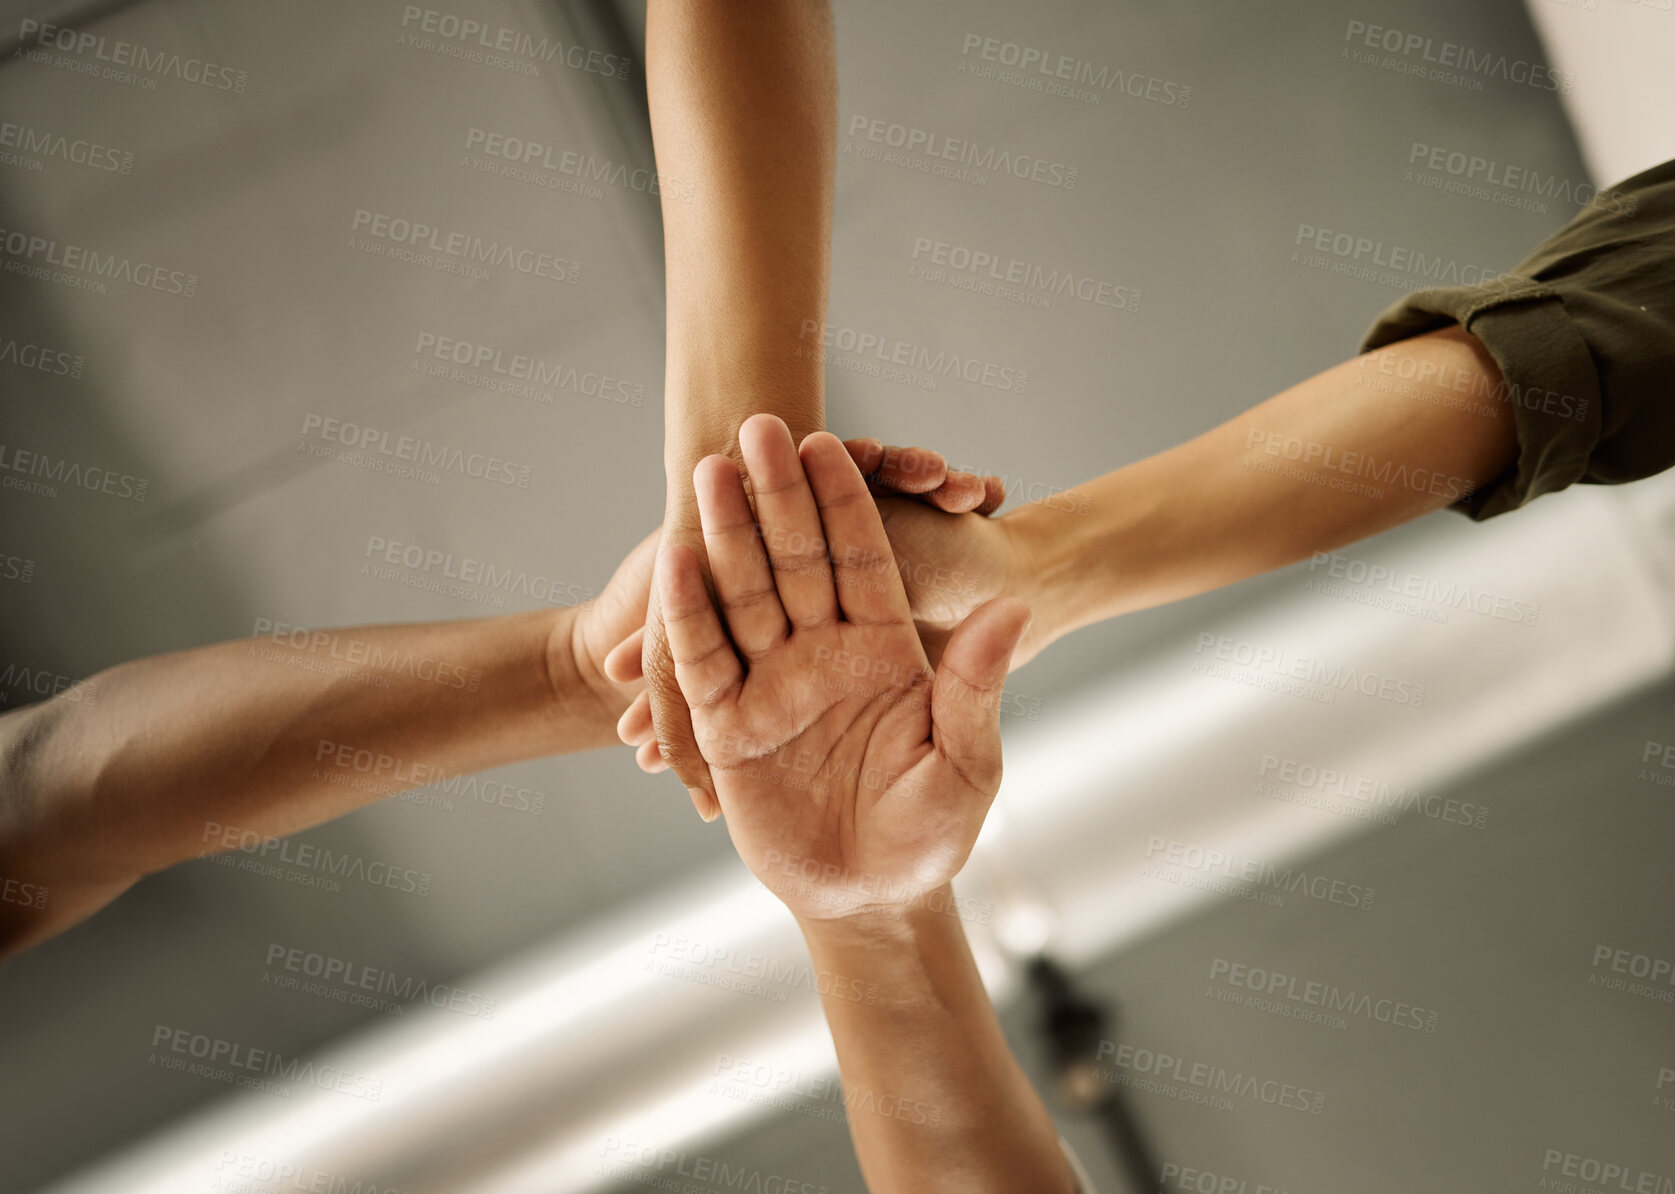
x=965, y=697
x=620, y=609
x=677, y=743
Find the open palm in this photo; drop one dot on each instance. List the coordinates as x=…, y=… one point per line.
x=850, y=773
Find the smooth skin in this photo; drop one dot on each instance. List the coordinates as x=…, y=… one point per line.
x=897, y=477
x=743, y=101
x=134, y=769
x=855, y=793
x=1211, y=511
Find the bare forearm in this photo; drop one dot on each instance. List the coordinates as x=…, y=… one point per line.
x=269, y=736
x=935, y=1100
x=743, y=100
x=1330, y=461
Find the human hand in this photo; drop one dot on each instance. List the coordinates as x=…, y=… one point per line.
x=578, y=645
x=657, y=723
x=924, y=474
x=853, y=776
x=953, y=563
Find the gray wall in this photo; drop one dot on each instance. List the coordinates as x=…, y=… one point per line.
x=1195, y=205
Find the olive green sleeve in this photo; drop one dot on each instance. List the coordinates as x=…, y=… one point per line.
x=1584, y=334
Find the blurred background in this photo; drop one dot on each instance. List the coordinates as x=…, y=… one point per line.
x=596, y=996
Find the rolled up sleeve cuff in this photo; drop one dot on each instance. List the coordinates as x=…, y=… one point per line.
x=1548, y=376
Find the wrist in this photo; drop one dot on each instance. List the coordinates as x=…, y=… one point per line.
x=882, y=925
x=705, y=415
x=1047, y=570
x=903, y=950
x=680, y=507
x=583, y=702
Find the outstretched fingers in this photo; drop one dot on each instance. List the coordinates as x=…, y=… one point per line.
x=744, y=580
x=869, y=585
x=706, y=667
x=790, y=522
